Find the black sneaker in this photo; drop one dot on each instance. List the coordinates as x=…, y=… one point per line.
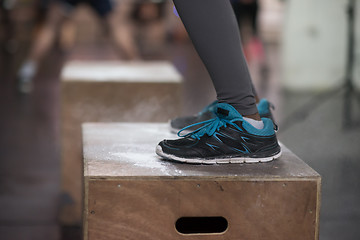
x=227, y=138
x=264, y=108
x=179, y=123
x=176, y=124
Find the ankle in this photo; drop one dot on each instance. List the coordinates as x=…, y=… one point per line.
x=255, y=116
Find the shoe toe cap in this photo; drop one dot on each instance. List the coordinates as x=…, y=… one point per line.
x=180, y=148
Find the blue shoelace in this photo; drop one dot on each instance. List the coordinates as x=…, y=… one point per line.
x=209, y=127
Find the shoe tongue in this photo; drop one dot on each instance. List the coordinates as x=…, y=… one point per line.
x=226, y=111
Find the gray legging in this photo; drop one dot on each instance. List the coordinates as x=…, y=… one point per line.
x=213, y=29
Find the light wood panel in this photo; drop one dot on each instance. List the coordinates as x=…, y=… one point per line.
x=109, y=94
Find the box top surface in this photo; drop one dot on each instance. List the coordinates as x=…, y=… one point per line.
x=121, y=150
x=120, y=71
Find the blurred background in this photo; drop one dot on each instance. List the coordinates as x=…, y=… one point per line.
x=300, y=55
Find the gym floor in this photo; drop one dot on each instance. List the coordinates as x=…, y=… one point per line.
x=29, y=141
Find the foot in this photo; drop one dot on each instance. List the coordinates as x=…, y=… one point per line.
x=179, y=123
x=227, y=138
x=264, y=109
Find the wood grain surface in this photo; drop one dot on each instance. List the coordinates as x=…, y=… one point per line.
x=148, y=209
x=128, y=150
x=132, y=194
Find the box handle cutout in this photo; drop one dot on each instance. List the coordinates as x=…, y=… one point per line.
x=201, y=225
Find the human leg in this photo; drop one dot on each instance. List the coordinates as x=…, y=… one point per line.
x=233, y=135
x=40, y=46
x=116, y=26
x=123, y=38
x=213, y=29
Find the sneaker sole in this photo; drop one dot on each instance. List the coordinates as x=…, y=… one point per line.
x=235, y=160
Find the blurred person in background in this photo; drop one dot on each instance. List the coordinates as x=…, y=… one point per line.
x=8, y=42
x=246, y=12
x=247, y=15
x=59, y=11
x=149, y=18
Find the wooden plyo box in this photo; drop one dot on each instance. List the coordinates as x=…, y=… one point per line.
x=109, y=91
x=132, y=194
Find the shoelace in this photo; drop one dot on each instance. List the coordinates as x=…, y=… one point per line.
x=209, y=127
x=211, y=106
